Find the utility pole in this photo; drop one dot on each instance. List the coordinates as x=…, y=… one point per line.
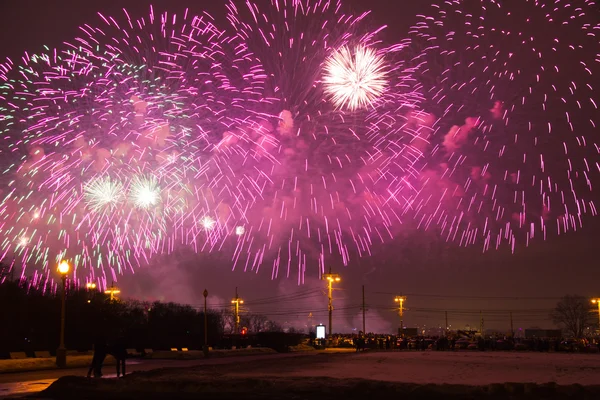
x=512, y=331
x=205, y=348
x=330, y=279
x=446, y=330
x=236, y=316
x=400, y=300
x=363, y=310
x=481, y=322
x=61, y=352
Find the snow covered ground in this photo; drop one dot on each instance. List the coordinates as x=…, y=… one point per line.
x=468, y=368
x=382, y=375
x=36, y=364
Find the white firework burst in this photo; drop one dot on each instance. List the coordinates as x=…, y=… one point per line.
x=145, y=192
x=103, y=194
x=354, y=78
x=208, y=222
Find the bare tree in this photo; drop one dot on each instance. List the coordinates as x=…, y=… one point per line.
x=573, y=313
x=227, y=321
x=256, y=322
x=272, y=326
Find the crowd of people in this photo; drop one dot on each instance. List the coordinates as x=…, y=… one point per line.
x=454, y=342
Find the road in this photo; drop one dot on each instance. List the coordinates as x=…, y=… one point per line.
x=22, y=383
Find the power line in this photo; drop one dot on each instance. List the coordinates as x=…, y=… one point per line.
x=472, y=297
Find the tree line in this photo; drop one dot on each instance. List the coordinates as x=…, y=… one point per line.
x=575, y=315
x=30, y=321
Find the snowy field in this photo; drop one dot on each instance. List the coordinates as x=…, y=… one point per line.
x=468, y=368
x=410, y=375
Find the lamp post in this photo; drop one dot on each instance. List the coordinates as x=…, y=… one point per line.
x=400, y=300
x=236, y=302
x=91, y=286
x=205, y=348
x=597, y=301
x=61, y=352
x=330, y=279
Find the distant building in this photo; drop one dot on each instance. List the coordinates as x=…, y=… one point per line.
x=543, y=333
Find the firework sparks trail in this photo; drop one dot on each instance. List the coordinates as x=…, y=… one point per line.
x=512, y=83
x=297, y=138
x=110, y=142
x=316, y=161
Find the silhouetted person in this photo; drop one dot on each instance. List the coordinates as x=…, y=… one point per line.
x=98, y=358
x=119, y=351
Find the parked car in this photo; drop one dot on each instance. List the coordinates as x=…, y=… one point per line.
x=569, y=345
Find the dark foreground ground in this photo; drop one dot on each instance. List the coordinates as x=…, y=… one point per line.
x=356, y=376
x=307, y=388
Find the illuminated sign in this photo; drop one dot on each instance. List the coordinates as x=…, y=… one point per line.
x=320, y=331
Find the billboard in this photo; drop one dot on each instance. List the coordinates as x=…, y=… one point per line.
x=320, y=331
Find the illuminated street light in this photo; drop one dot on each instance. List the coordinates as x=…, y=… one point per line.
x=61, y=352
x=90, y=286
x=236, y=302
x=63, y=268
x=400, y=300
x=330, y=278
x=112, y=291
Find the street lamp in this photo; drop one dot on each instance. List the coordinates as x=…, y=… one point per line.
x=236, y=302
x=400, y=300
x=90, y=286
x=330, y=278
x=112, y=291
x=61, y=352
x=597, y=301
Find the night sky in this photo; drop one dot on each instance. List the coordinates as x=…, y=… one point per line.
x=433, y=275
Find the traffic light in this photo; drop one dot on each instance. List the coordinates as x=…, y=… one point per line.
x=244, y=331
